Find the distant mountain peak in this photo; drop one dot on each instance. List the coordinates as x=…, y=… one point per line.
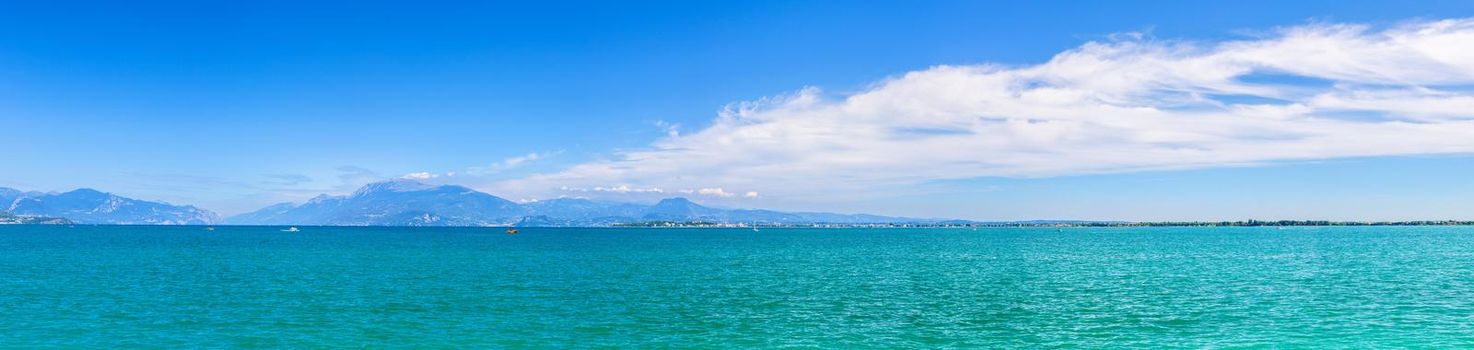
x=675, y=201
x=394, y=185
x=89, y=206
x=676, y=208
x=319, y=199
x=87, y=192
x=396, y=202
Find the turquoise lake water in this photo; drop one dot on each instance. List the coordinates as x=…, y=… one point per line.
x=184, y=287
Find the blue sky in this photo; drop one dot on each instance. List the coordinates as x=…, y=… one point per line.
x=236, y=106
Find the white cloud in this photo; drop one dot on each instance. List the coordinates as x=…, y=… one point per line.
x=518, y=160
x=419, y=176
x=613, y=189
x=671, y=129
x=507, y=164
x=717, y=192
x=1309, y=92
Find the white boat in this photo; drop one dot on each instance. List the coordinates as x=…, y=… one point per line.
x=291, y=229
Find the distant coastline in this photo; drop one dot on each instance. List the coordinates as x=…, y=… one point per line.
x=26, y=220
x=8, y=219
x=1074, y=223
x=407, y=203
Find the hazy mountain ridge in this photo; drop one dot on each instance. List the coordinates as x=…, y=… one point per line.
x=89, y=206
x=410, y=203
x=392, y=203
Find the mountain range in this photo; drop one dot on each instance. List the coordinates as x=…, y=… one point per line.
x=403, y=202
x=89, y=206
x=409, y=203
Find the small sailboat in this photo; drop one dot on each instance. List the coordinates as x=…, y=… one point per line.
x=291, y=229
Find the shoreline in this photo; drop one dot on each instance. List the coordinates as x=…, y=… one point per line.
x=666, y=225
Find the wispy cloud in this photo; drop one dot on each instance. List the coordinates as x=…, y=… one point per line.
x=1133, y=103
x=352, y=174
x=718, y=192
x=286, y=179
x=670, y=129
x=508, y=163
x=419, y=176
x=612, y=189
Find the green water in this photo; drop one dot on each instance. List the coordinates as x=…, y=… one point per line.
x=178, y=287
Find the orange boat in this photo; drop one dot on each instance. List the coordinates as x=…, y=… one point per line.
x=511, y=231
